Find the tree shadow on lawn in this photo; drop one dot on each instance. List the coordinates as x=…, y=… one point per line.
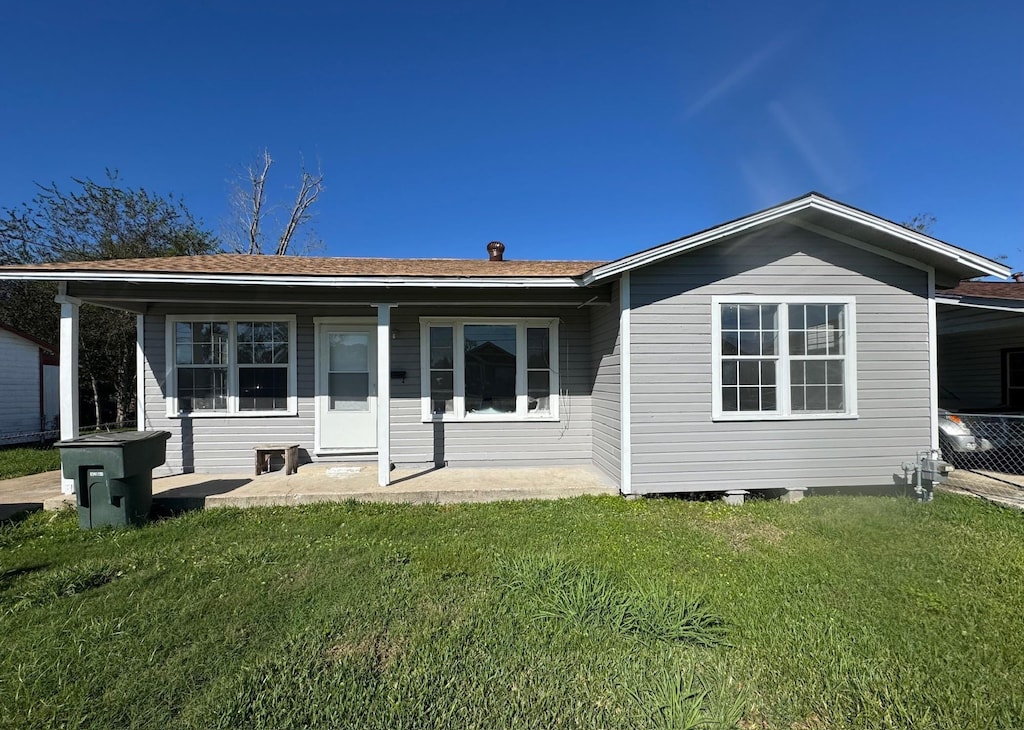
x=9, y=576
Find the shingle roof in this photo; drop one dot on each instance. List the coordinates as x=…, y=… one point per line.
x=242, y=264
x=986, y=289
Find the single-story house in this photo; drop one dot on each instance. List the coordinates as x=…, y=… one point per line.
x=789, y=349
x=28, y=387
x=981, y=346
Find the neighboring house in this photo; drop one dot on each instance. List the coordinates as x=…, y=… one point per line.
x=792, y=348
x=981, y=346
x=29, y=404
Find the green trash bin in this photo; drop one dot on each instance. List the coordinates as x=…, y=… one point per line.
x=113, y=475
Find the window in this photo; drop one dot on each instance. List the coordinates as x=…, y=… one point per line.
x=229, y=365
x=348, y=372
x=1013, y=378
x=783, y=358
x=201, y=357
x=495, y=369
x=262, y=365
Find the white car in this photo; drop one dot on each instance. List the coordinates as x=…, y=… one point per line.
x=953, y=430
x=956, y=439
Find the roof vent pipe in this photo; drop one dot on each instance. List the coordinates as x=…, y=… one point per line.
x=1018, y=277
x=495, y=251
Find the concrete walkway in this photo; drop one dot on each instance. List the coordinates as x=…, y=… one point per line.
x=341, y=482
x=1004, y=489
x=337, y=483
x=27, y=494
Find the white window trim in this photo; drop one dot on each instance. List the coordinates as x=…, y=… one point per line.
x=782, y=375
x=232, y=366
x=457, y=324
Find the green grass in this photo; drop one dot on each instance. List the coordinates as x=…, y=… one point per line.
x=838, y=612
x=22, y=461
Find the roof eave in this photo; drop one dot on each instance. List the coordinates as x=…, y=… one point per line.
x=974, y=264
x=496, y=282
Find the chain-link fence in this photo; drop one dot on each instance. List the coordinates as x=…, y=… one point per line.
x=50, y=432
x=983, y=441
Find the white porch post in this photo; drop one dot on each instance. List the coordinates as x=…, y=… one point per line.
x=383, y=394
x=933, y=366
x=140, y=372
x=68, y=372
x=625, y=388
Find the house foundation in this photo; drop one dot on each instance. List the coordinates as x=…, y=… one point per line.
x=735, y=497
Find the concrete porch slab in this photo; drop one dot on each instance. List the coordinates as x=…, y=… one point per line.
x=342, y=482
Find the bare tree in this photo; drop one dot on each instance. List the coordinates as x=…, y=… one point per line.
x=252, y=215
x=922, y=223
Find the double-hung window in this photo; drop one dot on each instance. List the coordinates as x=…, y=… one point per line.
x=787, y=357
x=231, y=365
x=489, y=369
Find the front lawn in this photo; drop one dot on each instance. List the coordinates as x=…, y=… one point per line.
x=22, y=461
x=838, y=612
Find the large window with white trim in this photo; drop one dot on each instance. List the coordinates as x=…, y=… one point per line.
x=792, y=357
x=489, y=369
x=231, y=365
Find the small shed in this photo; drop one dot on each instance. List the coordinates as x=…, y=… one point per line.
x=29, y=397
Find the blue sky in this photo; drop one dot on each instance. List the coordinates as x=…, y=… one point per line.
x=566, y=130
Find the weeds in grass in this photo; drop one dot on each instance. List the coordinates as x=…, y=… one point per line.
x=678, y=701
x=654, y=611
x=582, y=597
x=586, y=596
x=682, y=701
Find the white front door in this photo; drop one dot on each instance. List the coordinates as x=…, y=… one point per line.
x=347, y=387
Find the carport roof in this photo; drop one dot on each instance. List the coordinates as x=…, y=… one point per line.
x=986, y=290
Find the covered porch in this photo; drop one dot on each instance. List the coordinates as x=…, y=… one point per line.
x=378, y=361
x=396, y=427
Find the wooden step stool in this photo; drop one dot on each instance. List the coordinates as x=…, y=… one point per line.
x=289, y=452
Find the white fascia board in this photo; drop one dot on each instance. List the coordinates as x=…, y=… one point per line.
x=673, y=248
x=981, y=264
x=506, y=282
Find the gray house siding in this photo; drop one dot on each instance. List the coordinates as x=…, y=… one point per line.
x=970, y=346
x=605, y=403
x=224, y=444
x=677, y=447
x=215, y=444
x=565, y=442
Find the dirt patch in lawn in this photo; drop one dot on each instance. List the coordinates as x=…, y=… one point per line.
x=380, y=649
x=744, y=532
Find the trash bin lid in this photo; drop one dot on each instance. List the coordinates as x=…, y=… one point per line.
x=112, y=439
